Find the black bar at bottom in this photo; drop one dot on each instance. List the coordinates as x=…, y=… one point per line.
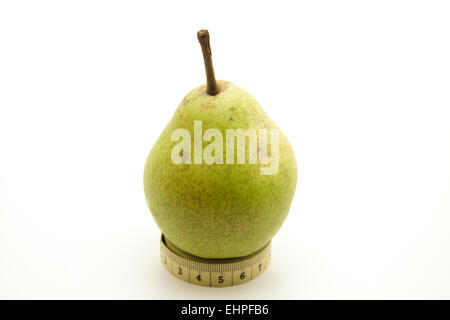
x=218, y=309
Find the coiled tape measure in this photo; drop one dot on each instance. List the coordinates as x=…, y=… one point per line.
x=213, y=272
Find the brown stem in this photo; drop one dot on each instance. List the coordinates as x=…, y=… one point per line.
x=211, y=83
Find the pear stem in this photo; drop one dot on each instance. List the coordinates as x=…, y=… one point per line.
x=211, y=83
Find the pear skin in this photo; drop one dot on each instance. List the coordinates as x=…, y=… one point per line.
x=218, y=210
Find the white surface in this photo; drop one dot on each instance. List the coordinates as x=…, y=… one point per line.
x=361, y=89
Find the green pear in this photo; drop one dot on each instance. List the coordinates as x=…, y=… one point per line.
x=209, y=197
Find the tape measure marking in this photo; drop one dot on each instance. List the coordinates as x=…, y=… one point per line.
x=211, y=273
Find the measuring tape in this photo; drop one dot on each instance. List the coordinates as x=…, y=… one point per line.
x=213, y=272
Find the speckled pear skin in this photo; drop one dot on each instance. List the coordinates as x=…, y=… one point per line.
x=218, y=210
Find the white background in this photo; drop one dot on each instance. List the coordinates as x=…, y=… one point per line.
x=361, y=89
